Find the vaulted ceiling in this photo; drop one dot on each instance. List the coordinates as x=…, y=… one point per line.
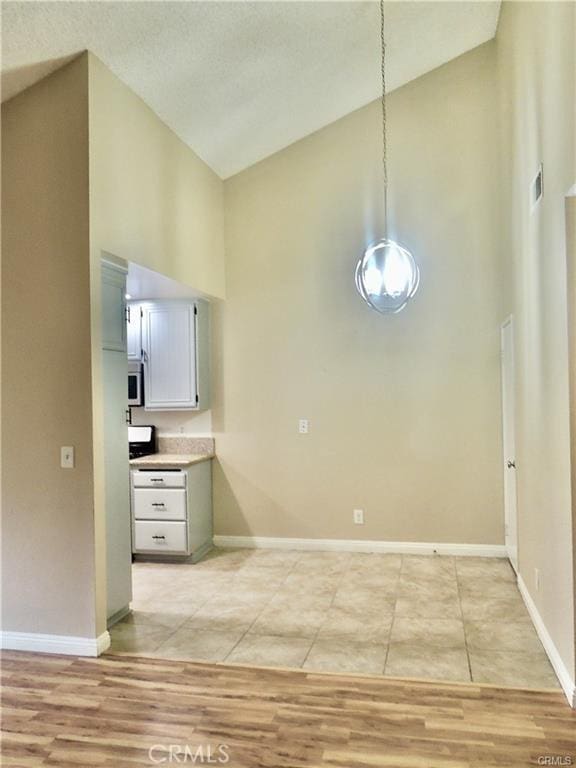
x=238, y=81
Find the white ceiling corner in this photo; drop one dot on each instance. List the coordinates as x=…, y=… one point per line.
x=237, y=81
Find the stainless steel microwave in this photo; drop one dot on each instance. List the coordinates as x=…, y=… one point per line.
x=135, y=384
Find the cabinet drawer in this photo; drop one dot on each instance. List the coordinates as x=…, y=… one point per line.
x=161, y=504
x=148, y=479
x=160, y=537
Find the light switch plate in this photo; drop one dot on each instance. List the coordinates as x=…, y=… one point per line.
x=303, y=426
x=67, y=457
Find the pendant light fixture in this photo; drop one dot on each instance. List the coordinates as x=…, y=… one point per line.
x=387, y=275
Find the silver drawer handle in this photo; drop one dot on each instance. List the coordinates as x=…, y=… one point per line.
x=158, y=537
x=158, y=504
x=156, y=479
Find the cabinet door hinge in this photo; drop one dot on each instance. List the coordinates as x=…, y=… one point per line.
x=127, y=314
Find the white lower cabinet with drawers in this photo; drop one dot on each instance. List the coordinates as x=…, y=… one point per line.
x=172, y=511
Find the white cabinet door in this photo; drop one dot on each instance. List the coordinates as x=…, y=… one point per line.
x=113, y=308
x=134, y=333
x=169, y=344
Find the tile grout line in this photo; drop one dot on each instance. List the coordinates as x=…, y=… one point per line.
x=191, y=616
x=294, y=563
x=315, y=637
x=398, y=579
x=352, y=638
x=463, y=623
x=204, y=603
x=168, y=637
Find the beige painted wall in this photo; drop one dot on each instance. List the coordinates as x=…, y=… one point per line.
x=404, y=410
x=47, y=520
x=153, y=202
x=535, y=49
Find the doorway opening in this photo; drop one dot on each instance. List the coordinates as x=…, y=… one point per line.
x=157, y=431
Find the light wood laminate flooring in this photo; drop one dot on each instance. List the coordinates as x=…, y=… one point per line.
x=126, y=711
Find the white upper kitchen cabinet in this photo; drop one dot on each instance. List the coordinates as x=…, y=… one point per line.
x=134, y=332
x=113, y=307
x=175, y=355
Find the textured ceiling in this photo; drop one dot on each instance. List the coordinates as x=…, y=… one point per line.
x=238, y=81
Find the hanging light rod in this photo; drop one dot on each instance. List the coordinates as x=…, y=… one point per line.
x=387, y=275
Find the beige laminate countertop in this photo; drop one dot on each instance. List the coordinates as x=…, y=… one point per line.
x=161, y=460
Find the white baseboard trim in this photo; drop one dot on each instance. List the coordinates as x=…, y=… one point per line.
x=65, y=644
x=568, y=685
x=347, y=545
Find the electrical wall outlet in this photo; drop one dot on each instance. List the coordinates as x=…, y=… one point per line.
x=303, y=425
x=67, y=457
x=359, y=516
x=537, y=579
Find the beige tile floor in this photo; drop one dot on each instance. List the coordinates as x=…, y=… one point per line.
x=405, y=616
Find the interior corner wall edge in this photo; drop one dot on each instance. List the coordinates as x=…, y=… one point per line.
x=47, y=512
x=404, y=410
x=536, y=75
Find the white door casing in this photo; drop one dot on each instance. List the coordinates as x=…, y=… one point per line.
x=508, y=441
